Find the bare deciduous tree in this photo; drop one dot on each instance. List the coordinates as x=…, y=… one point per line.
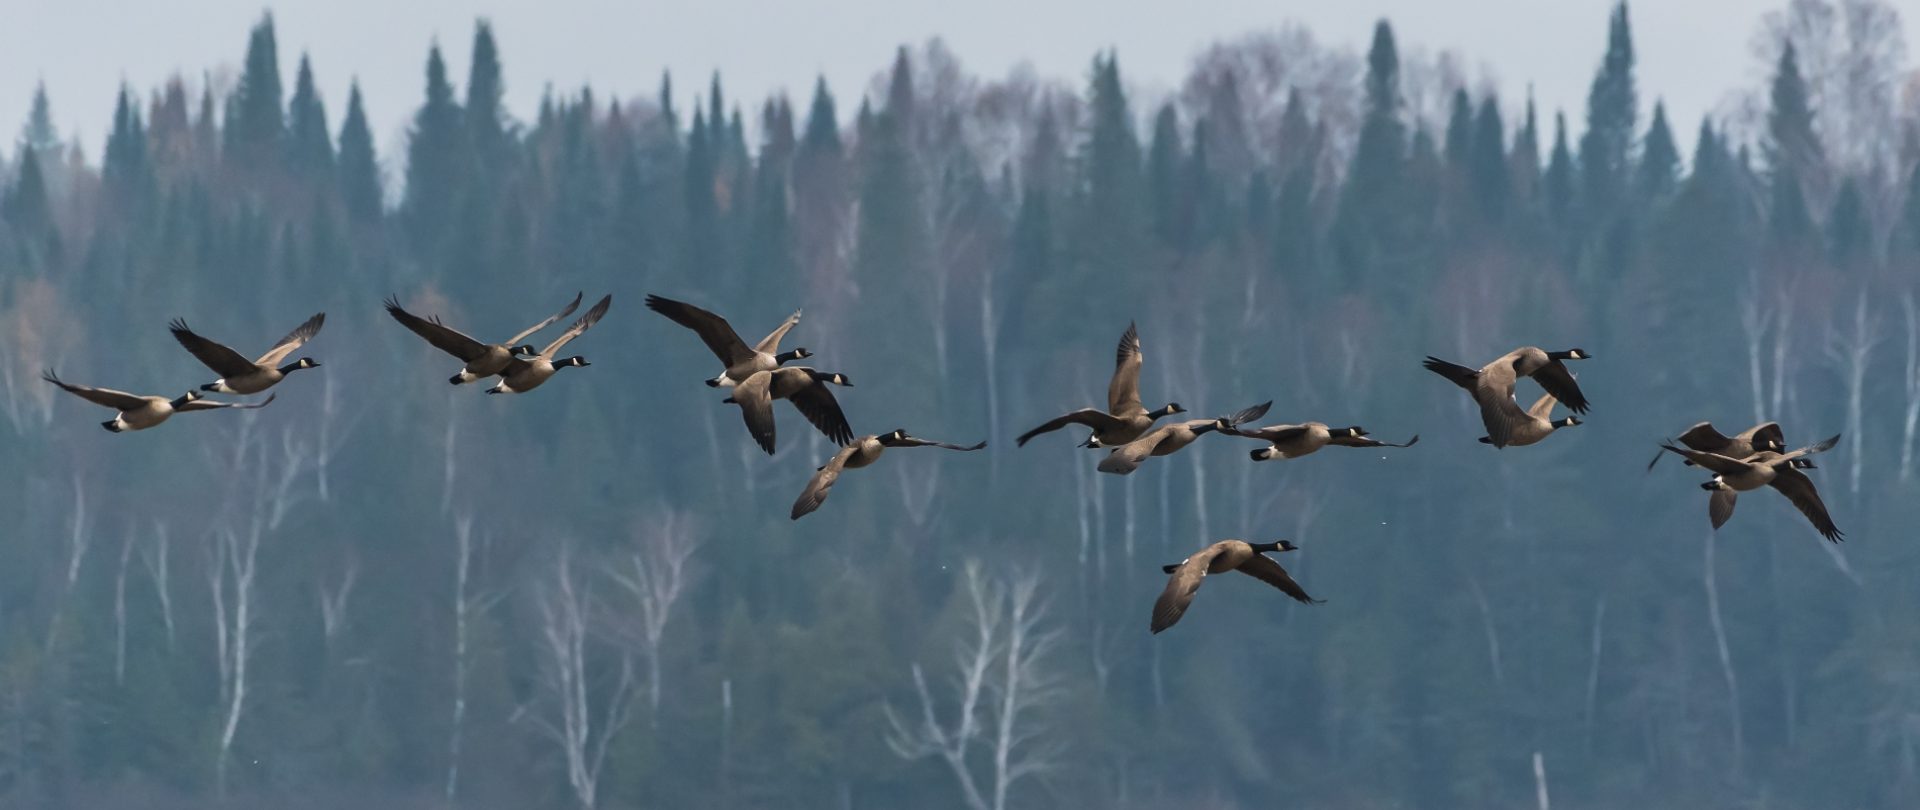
x=656, y=577
x=1851, y=348
x=568, y=672
x=1002, y=687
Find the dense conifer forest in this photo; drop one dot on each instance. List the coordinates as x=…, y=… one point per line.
x=387, y=592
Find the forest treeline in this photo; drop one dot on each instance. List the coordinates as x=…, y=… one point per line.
x=385, y=591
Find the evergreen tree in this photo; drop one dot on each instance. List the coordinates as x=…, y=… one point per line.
x=434, y=160
x=1487, y=164
x=1366, y=227
x=700, y=250
x=1460, y=131
x=1792, y=149
x=39, y=133
x=823, y=131
x=359, y=169
x=1296, y=240
x=1559, y=179
x=485, y=116
x=1606, y=148
x=1111, y=216
x=1163, y=174
x=26, y=205
x=1298, y=141
x=1849, y=231
x=770, y=241
x=1525, y=157
x=890, y=262
x=126, y=170
x=255, y=127
x=310, y=146
x=1660, y=157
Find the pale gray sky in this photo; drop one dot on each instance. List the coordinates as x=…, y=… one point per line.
x=1692, y=52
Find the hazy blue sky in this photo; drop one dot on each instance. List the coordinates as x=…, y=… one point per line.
x=1691, y=52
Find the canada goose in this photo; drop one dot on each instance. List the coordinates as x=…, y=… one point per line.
x=858, y=453
x=140, y=413
x=1294, y=441
x=1532, y=425
x=1492, y=385
x=1703, y=436
x=1765, y=468
x=1167, y=439
x=482, y=360
x=806, y=388
x=521, y=376
x=1219, y=558
x=1125, y=419
x=741, y=360
x=238, y=375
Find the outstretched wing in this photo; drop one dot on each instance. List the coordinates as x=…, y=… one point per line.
x=210, y=405
x=293, y=341
x=821, y=483
x=1099, y=420
x=1123, y=392
x=1181, y=587
x=224, y=361
x=1809, y=450
x=1711, y=461
x=712, y=329
x=912, y=441
x=1245, y=415
x=817, y=404
x=443, y=337
x=1799, y=488
x=1705, y=437
x=1127, y=457
x=577, y=328
x=117, y=400
x=1498, y=412
x=1366, y=441
x=1268, y=570
x=1454, y=372
x=551, y=319
x=771, y=343
x=1720, y=506
x=1558, y=381
x=1270, y=433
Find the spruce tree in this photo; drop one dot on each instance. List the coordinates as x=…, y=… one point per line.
x=434, y=160
x=255, y=126
x=359, y=169
x=485, y=116
x=1163, y=174
x=700, y=250
x=1296, y=239
x=1112, y=216
x=1659, y=159
x=26, y=205
x=1366, y=224
x=310, y=147
x=770, y=239
x=1460, y=131
x=1792, y=149
x=1606, y=148
x=1298, y=143
x=39, y=133
x=1525, y=158
x=126, y=170
x=1487, y=161
x=1559, y=179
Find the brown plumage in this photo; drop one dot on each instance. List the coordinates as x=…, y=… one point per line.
x=1492, y=386
x=859, y=453
x=1219, y=558
x=1125, y=418
x=238, y=375
x=482, y=360
x=1765, y=468
x=140, y=413
x=739, y=359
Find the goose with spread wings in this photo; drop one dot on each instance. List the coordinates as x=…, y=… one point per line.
x=1782, y=471
x=741, y=360
x=1294, y=441
x=1170, y=438
x=1492, y=386
x=1533, y=425
x=238, y=375
x=138, y=412
x=1219, y=558
x=859, y=453
x=482, y=360
x=806, y=388
x=1125, y=418
x=523, y=375
x=1765, y=436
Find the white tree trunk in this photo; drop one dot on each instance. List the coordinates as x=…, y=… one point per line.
x=1726, y=657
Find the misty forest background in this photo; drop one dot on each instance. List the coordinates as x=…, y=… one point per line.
x=384, y=591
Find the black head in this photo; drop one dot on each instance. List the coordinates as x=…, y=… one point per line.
x=525, y=349
x=304, y=362
x=1567, y=422
x=209, y=387
x=1570, y=354
x=1274, y=547
x=187, y=397
x=1802, y=464
x=894, y=436
x=834, y=377
x=799, y=353
x=575, y=360
x=112, y=426
x=1171, y=409
x=1353, y=432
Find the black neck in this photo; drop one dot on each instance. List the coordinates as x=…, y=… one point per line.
x=784, y=358
x=1265, y=548
x=1162, y=413
x=291, y=367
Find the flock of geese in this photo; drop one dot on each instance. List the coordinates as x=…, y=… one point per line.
x=757, y=375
